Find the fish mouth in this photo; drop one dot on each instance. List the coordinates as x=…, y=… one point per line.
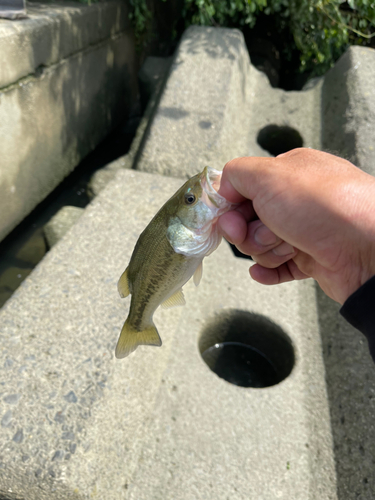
x=210, y=182
x=213, y=179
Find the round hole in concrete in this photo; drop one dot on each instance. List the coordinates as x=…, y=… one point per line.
x=246, y=349
x=279, y=139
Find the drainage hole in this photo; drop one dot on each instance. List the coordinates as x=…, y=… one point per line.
x=240, y=364
x=279, y=139
x=246, y=349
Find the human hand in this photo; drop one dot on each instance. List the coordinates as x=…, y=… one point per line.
x=303, y=214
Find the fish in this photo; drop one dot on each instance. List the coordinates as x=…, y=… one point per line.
x=167, y=254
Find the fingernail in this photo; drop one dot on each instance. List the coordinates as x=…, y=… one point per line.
x=283, y=249
x=264, y=236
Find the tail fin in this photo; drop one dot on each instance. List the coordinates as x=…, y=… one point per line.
x=130, y=339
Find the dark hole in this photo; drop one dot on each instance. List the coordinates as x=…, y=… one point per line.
x=240, y=364
x=246, y=349
x=279, y=139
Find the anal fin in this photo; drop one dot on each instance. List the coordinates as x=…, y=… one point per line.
x=177, y=299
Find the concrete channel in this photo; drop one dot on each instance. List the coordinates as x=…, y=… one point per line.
x=183, y=421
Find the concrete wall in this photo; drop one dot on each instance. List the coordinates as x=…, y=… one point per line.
x=67, y=77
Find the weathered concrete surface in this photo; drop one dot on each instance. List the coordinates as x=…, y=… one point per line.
x=76, y=423
x=80, y=86
x=334, y=113
x=60, y=223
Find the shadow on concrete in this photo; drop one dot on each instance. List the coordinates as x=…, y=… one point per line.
x=350, y=379
x=214, y=44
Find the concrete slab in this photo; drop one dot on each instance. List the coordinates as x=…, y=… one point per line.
x=76, y=423
x=51, y=119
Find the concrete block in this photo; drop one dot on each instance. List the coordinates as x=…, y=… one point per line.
x=348, y=108
x=52, y=118
x=216, y=106
x=76, y=423
x=203, y=106
x=60, y=224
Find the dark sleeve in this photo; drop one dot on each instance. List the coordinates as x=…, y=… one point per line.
x=359, y=311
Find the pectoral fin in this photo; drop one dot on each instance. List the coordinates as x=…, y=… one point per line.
x=123, y=285
x=177, y=299
x=198, y=274
x=130, y=339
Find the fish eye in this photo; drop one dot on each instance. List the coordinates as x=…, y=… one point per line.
x=189, y=198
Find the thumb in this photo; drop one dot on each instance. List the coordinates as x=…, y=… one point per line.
x=241, y=178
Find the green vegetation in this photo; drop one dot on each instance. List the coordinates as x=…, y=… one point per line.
x=321, y=30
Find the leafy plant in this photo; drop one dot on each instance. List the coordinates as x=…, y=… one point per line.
x=321, y=29
x=139, y=15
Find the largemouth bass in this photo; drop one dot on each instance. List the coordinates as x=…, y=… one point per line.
x=167, y=254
